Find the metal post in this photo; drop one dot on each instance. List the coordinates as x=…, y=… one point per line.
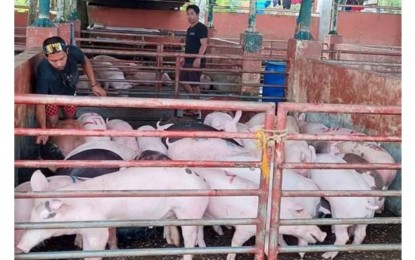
x=67, y=10
x=324, y=25
x=334, y=15
x=304, y=21
x=252, y=16
x=74, y=11
x=59, y=12
x=210, y=13
x=43, y=19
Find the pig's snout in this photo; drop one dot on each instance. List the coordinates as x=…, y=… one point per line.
x=22, y=248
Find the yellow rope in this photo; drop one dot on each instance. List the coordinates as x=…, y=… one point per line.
x=262, y=141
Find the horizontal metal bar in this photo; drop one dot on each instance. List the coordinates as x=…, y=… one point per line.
x=137, y=252
x=335, y=221
x=134, y=223
x=355, y=62
x=333, y=248
x=169, y=54
x=342, y=193
x=122, y=163
x=339, y=108
x=385, y=166
x=343, y=137
x=123, y=102
x=135, y=133
x=133, y=193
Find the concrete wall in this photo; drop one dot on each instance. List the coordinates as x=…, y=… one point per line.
x=315, y=81
x=357, y=27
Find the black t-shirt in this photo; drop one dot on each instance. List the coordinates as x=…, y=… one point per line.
x=52, y=81
x=193, y=36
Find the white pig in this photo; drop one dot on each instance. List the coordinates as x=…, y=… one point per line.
x=118, y=124
x=95, y=122
x=344, y=207
x=88, y=209
x=247, y=207
x=111, y=73
x=150, y=143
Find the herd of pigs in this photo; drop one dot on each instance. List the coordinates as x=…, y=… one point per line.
x=166, y=178
x=122, y=75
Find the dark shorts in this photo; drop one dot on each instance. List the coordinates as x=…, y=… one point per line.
x=186, y=75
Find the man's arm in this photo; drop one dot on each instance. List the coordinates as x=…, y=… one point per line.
x=89, y=71
x=40, y=115
x=202, y=50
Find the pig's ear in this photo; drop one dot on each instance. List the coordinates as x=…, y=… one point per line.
x=56, y=204
x=313, y=153
x=301, y=117
x=39, y=182
x=238, y=115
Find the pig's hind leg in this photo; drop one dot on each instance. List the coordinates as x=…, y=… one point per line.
x=342, y=237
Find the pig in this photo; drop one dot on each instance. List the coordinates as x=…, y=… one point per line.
x=117, y=124
x=309, y=127
x=344, y=207
x=150, y=143
x=373, y=154
x=371, y=176
x=205, y=79
x=147, y=76
x=83, y=83
x=189, y=126
x=95, y=122
x=111, y=73
x=247, y=206
x=213, y=149
x=22, y=207
x=90, y=172
x=125, y=152
x=67, y=143
x=223, y=121
x=88, y=209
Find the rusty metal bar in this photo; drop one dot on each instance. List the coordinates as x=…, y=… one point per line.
x=129, y=102
x=136, y=252
x=338, y=221
x=277, y=187
x=134, y=223
x=349, y=248
x=204, y=222
x=339, y=108
x=354, y=62
x=260, y=237
x=133, y=193
x=325, y=137
x=170, y=54
x=363, y=52
x=122, y=163
x=135, y=133
x=360, y=166
x=344, y=193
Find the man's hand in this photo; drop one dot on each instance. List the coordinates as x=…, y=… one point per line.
x=196, y=63
x=42, y=139
x=98, y=90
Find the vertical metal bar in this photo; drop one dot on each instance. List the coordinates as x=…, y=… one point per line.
x=43, y=19
x=210, y=13
x=252, y=16
x=176, y=77
x=159, y=64
x=276, y=187
x=334, y=15
x=260, y=237
x=74, y=10
x=59, y=12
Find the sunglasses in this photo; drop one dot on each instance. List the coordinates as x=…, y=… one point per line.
x=53, y=48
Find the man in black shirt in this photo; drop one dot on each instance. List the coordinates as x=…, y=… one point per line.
x=196, y=43
x=57, y=74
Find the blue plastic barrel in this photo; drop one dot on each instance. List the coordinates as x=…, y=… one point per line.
x=260, y=6
x=274, y=79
